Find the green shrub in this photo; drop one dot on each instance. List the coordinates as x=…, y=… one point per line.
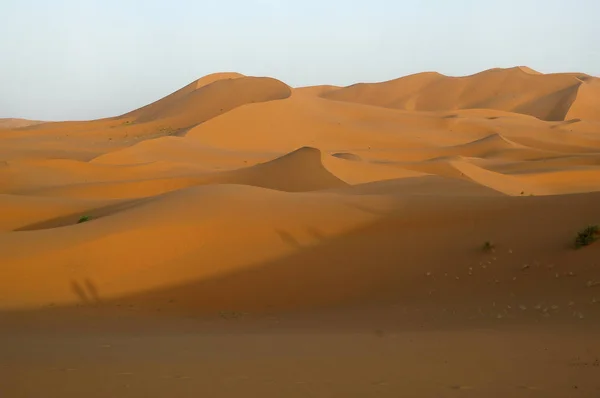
x=83, y=219
x=488, y=246
x=587, y=236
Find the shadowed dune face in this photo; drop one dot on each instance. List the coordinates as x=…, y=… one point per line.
x=193, y=105
x=180, y=95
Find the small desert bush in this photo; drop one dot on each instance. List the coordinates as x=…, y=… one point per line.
x=83, y=219
x=488, y=246
x=587, y=236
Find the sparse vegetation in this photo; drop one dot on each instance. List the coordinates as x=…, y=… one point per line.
x=488, y=246
x=587, y=236
x=83, y=219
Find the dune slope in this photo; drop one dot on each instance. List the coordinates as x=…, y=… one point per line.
x=547, y=97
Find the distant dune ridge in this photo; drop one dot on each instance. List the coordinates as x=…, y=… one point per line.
x=553, y=97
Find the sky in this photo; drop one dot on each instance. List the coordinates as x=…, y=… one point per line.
x=88, y=59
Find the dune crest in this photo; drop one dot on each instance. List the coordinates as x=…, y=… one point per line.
x=520, y=89
x=299, y=171
x=180, y=94
x=203, y=100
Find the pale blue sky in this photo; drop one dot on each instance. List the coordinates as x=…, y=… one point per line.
x=83, y=59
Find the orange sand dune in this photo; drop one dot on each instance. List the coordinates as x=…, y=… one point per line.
x=547, y=164
x=195, y=103
x=299, y=171
x=176, y=150
x=196, y=232
x=26, y=175
x=547, y=97
x=328, y=125
x=200, y=102
x=240, y=237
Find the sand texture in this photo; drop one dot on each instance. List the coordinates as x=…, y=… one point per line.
x=242, y=237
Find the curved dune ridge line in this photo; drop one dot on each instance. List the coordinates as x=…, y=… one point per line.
x=242, y=193
x=200, y=102
x=353, y=171
x=520, y=90
x=181, y=94
x=299, y=171
x=175, y=150
x=330, y=125
x=174, y=114
x=534, y=183
x=196, y=226
x=33, y=212
x=527, y=69
x=508, y=185
x=278, y=258
x=586, y=104
x=575, y=180
x=484, y=145
x=37, y=175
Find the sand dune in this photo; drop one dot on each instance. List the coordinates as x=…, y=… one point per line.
x=329, y=125
x=175, y=114
x=180, y=95
x=198, y=224
x=239, y=206
x=196, y=232
x=299, y=171
x=200, y=102
x=519, y=90
x=179, y=151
